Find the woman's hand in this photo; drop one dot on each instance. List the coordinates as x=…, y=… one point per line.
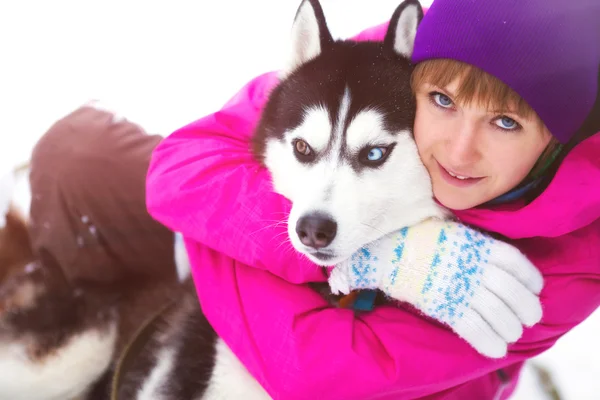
x=483, y=288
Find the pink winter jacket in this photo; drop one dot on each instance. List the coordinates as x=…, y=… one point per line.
x=204, y=183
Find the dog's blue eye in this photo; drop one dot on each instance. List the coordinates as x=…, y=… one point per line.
x=376, y=154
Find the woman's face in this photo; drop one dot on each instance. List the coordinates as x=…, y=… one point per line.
x=473, y=154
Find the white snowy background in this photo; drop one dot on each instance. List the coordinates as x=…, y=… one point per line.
x=165, y=63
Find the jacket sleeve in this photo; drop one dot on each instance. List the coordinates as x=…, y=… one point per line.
x=204, y=182
x=297, y=346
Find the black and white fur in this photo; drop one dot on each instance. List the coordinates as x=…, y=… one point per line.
x=344, y=102
x=340, y=105
x=344, y=99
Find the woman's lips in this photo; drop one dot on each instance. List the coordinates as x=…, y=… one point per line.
x=457, y=179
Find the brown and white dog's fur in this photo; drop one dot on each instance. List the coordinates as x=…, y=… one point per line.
x=60, y=340
x=55, y=342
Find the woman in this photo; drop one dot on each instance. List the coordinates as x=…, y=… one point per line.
x=507, y=133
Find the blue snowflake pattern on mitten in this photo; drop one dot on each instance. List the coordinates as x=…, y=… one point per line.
x=362, y=269
x=398, y=253
x=460, y=261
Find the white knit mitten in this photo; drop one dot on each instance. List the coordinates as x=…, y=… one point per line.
x=483, y=288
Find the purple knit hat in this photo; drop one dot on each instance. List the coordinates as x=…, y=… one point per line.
x=548, y=51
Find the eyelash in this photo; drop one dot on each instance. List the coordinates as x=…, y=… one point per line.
x=431, y=99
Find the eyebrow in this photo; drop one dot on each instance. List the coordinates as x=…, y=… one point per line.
x=514, y=111
x=508, y=111
x=443, y=89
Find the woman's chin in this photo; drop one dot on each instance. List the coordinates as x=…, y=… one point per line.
x=455, y=201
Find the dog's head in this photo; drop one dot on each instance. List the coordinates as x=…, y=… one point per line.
x=336, y=136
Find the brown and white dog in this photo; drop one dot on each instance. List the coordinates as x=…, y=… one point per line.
x=56, y=342
x=59, y=341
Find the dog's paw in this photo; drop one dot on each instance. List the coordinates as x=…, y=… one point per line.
x=339, y=281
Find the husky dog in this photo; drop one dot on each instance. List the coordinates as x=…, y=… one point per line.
x=336, y=136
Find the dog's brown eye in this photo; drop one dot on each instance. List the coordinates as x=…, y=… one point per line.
x=302, y=148
x=303, y=152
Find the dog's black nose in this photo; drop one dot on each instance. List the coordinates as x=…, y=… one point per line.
x=316, y=230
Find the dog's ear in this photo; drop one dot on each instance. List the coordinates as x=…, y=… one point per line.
x=310, y=36
x=402, y=30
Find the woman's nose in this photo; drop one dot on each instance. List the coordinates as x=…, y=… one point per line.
x=462, y=144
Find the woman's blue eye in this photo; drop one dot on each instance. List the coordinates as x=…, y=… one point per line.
x=507, y=123
x=376, y=154
x=442, y=100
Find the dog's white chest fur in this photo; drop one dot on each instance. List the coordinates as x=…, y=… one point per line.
x=60, y=376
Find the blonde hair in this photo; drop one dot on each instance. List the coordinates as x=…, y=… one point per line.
x=478, y=87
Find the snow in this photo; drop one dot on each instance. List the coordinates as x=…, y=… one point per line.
x=164, y=64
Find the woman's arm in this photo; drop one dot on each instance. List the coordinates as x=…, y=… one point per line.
x=204, y=183
x=297, y=346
